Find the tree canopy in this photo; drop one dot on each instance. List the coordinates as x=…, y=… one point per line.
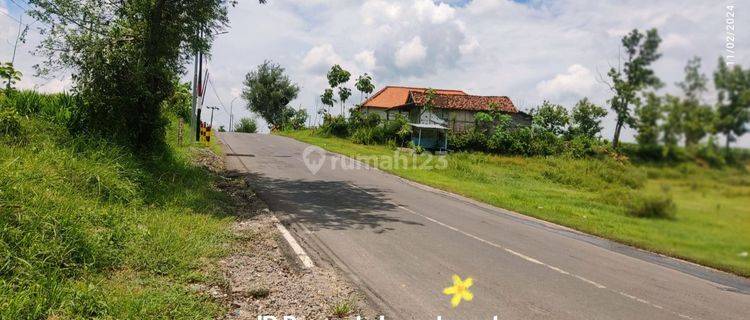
x=126, y=57
x=268, y=92
x=641, y=52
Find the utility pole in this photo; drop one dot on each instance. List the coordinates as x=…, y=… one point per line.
x=197, y=90
x=231, y=114
x=212, y=116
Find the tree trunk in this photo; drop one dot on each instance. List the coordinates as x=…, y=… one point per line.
x=616, y=139
x=729, y=137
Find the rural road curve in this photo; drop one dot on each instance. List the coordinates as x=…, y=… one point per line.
x=402, y=243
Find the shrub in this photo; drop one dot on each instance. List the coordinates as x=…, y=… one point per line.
x=335, y=125
x=246, y=125
x=470, y=140
x=357, y=119
x=364, y=135
x=397, y=129
x=10, y=122
x=581, y=146
x=651, y=205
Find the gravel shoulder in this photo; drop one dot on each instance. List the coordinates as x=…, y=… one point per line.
x=262, y=276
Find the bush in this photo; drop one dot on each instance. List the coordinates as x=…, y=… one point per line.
x=60, y=108
x=335, y=125
x=470, y=140
x=365, y=135
x=246, y=125
x=651, y=205
x=357, y=119
x=397, y=129
x=10, y=122
x=581, y=146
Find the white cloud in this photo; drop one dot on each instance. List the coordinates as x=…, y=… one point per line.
x=674, y=40
x=374, y=11
x=366, y=59
x=411, y=53
x=577, y=80
x=427, y=10
x=469, y=46
x=491, y=47
x=320, y=58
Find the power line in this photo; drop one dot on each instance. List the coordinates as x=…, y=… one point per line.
x=213, y=88
x=19, y=5
x=12, y=17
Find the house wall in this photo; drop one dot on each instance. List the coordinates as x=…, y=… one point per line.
x=456, y=120
x=385, y=114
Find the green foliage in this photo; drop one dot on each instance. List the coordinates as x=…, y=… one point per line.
x=651, y=205
x=90, y=230
x=337, y=77
x=268, y=92
x=9, y=75
x=125, y=57
x=60, y=108
x=641, y=52
x=586, y=119
x=550, y=117
x=10, y=122
x=366, y=135
x=358, y=119
x=179, y=103
x=648, y=116
x=246, y=125
x=364, y=84
x=733, y=106
x=327, y=98
x=294, y=119
x=335, y=126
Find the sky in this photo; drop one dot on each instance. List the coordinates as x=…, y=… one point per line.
x=530, y=51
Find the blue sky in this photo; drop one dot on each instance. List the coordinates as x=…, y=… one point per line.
x=555, y=50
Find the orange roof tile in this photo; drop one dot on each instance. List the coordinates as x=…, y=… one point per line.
x=466, y=102
x=395, y=96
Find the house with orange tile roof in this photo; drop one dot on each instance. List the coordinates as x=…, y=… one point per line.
x=454, y=109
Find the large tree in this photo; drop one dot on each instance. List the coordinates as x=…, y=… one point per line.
x=733, y=106
x=628, y=83
x=697, y=118
x=125, y=56
x=586, y=118
x=551, y=117
x=268, y=92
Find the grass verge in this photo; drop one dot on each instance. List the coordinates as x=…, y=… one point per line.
x=88, y=230
x=707, y=222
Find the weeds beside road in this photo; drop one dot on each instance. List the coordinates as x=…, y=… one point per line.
x=708, y=225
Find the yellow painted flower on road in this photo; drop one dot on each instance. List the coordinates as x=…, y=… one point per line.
x=459, y=290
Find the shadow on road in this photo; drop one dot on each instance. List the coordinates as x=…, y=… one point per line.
x=333, y=205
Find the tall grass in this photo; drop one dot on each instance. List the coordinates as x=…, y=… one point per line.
x=87, y=229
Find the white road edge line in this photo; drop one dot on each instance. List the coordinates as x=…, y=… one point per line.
x=535, y=261
x=307, y=263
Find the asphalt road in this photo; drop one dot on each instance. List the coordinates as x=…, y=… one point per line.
x=402, y=242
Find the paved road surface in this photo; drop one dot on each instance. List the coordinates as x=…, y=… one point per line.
x=403, y=242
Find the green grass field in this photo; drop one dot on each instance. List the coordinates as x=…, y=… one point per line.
x=87, y=230
x=710, y=224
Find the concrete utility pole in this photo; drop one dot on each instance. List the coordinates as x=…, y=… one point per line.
x=193, y=121
x=212, y=116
